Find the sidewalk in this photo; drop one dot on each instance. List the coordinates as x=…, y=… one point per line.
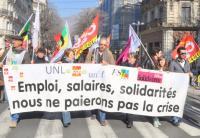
x=193, y=91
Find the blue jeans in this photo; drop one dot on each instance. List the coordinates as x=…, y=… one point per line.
x=102, y=116
x=14, y=117
x=66, y=117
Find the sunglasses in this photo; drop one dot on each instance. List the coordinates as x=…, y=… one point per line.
x=182, y=53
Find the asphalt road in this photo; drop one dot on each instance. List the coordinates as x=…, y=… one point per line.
x=48, y=125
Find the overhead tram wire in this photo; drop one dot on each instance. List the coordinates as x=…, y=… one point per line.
x=58, y=1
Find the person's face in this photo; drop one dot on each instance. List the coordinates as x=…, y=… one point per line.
x=182, y=54
x=162, y=62
x=17, y=43
x=131, y=59
x=40, y=55
x=159, y=54
x=102, y=45
x=71, y=55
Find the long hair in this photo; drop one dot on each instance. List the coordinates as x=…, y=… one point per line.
x=165, y=67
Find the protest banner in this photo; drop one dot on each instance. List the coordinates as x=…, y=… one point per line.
x=74, y=87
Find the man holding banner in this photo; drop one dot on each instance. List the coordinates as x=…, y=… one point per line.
x=180, y=65
x=104, y=56
x=16, y=55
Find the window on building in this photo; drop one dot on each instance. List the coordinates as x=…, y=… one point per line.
x=152, y=14
x=186, y=14
x=161, y=12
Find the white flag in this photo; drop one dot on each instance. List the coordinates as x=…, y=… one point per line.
x=135, y=42
x=36, y=29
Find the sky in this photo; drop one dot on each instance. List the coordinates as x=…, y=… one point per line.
x=68, y=8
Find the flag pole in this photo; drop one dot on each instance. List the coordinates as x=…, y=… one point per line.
x=145, y=50
x=25, y=24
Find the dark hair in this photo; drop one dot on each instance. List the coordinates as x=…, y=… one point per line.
x=68, y=51
x=133, y=55
x=179, y=49
x=16, y=37
x=155, y=51
x=41, y=50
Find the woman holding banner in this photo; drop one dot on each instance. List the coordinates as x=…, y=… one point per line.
x=68, y=57
x=131, y=62
x=162, y=65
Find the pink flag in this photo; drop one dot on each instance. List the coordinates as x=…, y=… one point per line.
x=124, y=55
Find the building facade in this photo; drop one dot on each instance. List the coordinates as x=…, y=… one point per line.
x=166, y=21
x=13, y=15
x=121, y=13
x=43, y=4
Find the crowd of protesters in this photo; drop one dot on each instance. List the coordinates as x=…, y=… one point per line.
x=100, y=55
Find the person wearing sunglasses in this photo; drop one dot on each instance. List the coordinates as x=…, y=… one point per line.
x=180, y=65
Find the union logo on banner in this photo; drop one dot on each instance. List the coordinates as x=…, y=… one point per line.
x=13, y=88
x=21, y=74
x=10, y=78
x=123, y=73
x=150, y=77
x=5, y=71
x=76, y=71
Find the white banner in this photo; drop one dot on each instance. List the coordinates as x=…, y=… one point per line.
x=73, y=87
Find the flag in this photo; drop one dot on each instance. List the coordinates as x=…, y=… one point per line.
x=124, y=55
x=36, y=29
x=88, y=38
x=57, y=37
x=135, y=42
x=181, y=44
x=192, y=48
x=62, y=44
x=96, y=44
x=24, y=32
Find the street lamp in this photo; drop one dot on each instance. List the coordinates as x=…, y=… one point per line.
x=138, y=24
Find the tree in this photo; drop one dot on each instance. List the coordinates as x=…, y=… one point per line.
x=51, y=24
x=84, y=19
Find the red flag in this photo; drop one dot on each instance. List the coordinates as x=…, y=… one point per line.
x=57, y=37
x=191, y=47
x=88, y=37
x=181, y=44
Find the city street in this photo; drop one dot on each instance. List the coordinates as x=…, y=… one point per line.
x=48, y=125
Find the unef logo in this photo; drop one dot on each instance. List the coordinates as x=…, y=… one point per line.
x=123, y=73
x=76, y=71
